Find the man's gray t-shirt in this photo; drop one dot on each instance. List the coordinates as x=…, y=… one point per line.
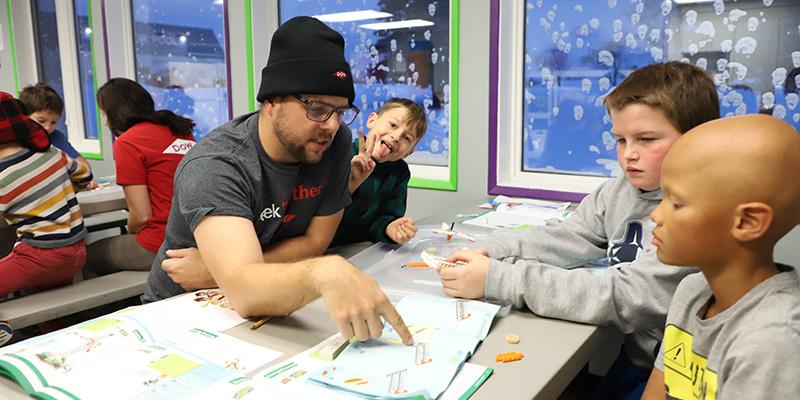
x=749, y=351
x=229, y=173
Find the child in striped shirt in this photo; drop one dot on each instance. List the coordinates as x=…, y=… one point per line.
x=38, y=201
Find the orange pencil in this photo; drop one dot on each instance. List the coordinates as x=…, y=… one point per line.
x=416, y=265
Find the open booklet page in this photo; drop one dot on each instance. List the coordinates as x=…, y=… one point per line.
x=446, y=332
x=145, y=352
x=288, y=380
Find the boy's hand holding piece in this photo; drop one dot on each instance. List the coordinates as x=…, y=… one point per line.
x=468, y=281
x=362, y=164
x=401, y=230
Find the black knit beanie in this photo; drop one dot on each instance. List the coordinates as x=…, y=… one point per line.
x=306, y=56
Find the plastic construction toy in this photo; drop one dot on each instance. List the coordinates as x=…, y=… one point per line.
x=450, y=232
x=509, y=357
x=512, y=339
x=437, y=262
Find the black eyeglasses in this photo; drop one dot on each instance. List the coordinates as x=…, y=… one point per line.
x=320, y=112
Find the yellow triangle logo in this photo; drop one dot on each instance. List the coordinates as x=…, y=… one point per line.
x=677, y=355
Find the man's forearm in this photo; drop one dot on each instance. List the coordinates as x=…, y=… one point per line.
x=295, y=249
x=286, y=251
x=272, y=289
x=231, y=251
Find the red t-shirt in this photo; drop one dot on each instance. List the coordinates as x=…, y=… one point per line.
x=148, y=154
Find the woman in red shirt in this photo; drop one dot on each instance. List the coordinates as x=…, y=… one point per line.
x=148, y=148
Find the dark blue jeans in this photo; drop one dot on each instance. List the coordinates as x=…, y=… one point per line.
x=622, y=381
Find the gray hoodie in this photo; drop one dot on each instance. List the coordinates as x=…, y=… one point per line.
x=532, y=268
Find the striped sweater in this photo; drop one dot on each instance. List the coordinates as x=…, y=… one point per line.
x=37, y=198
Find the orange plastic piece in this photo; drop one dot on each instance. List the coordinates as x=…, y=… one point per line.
x=509, y=357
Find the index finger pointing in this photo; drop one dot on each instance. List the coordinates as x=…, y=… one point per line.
x=395, y=320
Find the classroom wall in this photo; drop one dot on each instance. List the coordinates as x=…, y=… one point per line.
x=7, y=81
x=23, y=50
x=788, y=249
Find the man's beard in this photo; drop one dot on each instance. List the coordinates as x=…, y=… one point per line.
x=295, y=148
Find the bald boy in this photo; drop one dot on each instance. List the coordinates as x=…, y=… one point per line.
x=733, y=329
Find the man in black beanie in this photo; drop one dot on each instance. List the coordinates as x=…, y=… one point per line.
x=263, y=193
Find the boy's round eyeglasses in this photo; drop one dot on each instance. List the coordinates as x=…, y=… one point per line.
x=320, y=112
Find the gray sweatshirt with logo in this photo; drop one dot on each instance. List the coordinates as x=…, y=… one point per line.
x=537, y=268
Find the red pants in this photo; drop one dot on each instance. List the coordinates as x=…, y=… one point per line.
x=35, y=268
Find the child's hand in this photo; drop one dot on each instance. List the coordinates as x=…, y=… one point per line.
x=401, y=230
x=362, y=164
x=93, y=185
x=466, y=281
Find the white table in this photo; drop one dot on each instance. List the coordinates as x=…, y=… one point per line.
x=108, y=198
x=555, y=351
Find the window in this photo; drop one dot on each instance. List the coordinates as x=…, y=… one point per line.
x=553, y=62
x=88, y=84
x=66, y=58
x=48, y=51
x=181, y=58
x=401, y=48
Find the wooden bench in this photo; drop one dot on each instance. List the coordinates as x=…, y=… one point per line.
x=55, y=303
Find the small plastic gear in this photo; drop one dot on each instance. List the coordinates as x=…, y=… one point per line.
x=512, y=339
x=509, y=357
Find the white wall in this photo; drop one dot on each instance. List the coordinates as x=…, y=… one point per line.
x=21, y=50
x=788, y=249
x=473, y=119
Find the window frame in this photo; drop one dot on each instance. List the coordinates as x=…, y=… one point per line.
x=70, y=75
x=439, y=177
x=506, y=81
x=12, y=47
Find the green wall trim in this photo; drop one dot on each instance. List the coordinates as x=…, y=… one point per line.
x=248, y=29
x=452, y=183
x=93, y=156
x=436, y=184
x=13, y=46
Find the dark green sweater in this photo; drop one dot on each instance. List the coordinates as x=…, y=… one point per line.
x=380, y=200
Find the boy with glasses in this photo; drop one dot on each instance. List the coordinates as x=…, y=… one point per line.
x=266, y=190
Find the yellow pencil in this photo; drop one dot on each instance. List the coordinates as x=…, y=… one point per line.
x=260, y=322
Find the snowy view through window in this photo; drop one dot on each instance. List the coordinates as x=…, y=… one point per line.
x=577, y=51
x=180, y=58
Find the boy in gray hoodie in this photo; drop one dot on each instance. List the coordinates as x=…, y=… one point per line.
x=649, y=110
